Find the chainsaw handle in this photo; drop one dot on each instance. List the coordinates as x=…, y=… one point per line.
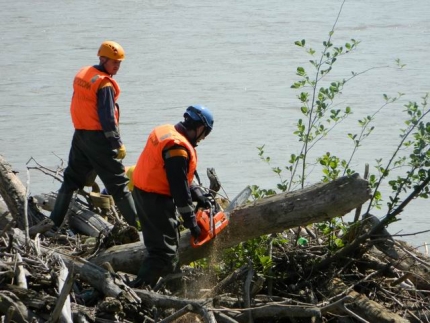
x=197, y=243
x=204, y=220
x=210, y=225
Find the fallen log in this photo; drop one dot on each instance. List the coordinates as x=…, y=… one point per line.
x=81, y=219
x=14, y=195
x=106, y=282
x=361, y=306
x=17, y=311
x=273, y=214
x=393, y=282
x=399, y=255
x=5, y=216
x=409, y=261
x=30, y=298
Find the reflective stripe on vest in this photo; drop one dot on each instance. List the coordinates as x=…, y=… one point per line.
x=149, y=174
x=83, y=107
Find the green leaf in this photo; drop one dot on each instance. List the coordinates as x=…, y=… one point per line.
x=300, y=71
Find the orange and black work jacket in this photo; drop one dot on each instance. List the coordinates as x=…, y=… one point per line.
x=93, y=103
x=166, y=166
x=150, y=172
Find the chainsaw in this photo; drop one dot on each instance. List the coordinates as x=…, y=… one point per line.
x=213, y=220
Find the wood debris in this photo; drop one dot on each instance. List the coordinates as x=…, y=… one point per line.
x=64, y=276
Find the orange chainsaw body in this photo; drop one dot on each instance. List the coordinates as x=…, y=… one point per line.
x=209, y=225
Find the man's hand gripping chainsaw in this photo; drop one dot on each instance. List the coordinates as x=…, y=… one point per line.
x=211, y=221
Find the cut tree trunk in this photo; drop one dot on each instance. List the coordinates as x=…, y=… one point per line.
x=273, y=214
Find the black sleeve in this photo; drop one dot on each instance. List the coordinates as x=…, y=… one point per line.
x=106, y=112
x=176, y=163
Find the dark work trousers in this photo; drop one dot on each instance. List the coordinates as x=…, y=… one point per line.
x=90, y=152
x=159, y=225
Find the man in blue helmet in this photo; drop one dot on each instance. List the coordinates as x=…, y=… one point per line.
x=163, y=179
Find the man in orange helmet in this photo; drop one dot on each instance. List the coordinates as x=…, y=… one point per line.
x=97, y=145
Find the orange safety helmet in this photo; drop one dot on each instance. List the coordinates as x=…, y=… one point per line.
x=112, y=50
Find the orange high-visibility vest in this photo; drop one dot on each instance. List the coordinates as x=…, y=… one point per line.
x=83, y=107
x=149, y=174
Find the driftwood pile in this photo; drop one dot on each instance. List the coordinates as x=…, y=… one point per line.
x=81, y=273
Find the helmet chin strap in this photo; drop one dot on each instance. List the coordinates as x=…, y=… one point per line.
x=102, y=64
x=199, y=136
x=193, y=141
x=196, y=138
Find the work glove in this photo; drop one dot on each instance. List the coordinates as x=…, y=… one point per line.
x=205, y=201
x=121, y=152
x=195, y=232
x=189, y=219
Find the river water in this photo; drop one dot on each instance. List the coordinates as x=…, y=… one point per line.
x=236, y=57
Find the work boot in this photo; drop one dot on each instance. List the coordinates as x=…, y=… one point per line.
x=146, y=276
x=59, y=232
x=60, y=208
x=127, y=209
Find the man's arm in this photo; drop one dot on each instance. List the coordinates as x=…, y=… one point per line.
x=176, y=163
x=106, y=112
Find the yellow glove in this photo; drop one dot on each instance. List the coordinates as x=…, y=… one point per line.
x=121, y=152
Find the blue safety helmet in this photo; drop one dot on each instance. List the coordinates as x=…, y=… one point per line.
x=200, y=114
